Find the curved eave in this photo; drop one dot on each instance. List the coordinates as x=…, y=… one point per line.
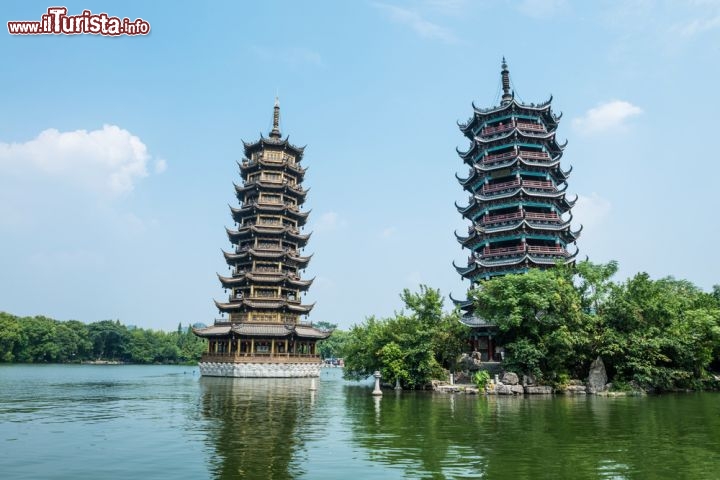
x=462, y=239
x=253, y=253
x=534, y=258
x=245, y=279
x=484, y=114
x=516, y=191
x=464, y=210
x=211, y=332
x=516, y=131
x=555, y=227
x=463, y=304
x=465, y=181
x=576, y=233
x=270, y=305
x=273, y=142
x=247, y=166
x=240, y=213
x=464, y=271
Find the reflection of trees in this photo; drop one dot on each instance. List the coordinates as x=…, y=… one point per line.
x=440, y=436
x=254, y=425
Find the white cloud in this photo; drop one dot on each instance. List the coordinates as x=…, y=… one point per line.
x=327, y=222
x=388, y=232
x=697, y=26
x=291, y=56
x=109, y=161
x=541, y=8
x=160, y=165
x=417, y=22
x=610, y=116
x=591, y=211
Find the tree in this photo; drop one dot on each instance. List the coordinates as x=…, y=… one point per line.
x=407, y=347
x=540, y=321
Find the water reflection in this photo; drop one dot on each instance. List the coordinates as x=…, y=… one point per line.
x=439, y=436
x=255, y=424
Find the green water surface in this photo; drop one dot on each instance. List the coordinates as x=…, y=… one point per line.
x=132, y=422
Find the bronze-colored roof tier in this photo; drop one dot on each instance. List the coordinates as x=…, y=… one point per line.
x=265, y=279
x=245, y=305
x=262, y=330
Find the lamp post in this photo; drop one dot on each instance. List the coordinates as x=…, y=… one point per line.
x=377, y=390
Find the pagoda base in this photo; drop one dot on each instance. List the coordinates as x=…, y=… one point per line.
x=260, y=370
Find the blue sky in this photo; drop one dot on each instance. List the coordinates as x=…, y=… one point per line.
x=117, y=155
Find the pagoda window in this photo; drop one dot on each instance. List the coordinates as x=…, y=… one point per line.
x=272, y=177
x=272, y=156
x=253, y=177
x=238, y=294
x=263, y=220
x=270, y=198
x=262, y=347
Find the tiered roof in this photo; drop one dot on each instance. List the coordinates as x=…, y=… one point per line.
x=519, y=213
x=265, y=283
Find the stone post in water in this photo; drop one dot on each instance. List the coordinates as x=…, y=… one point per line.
x=377, y=390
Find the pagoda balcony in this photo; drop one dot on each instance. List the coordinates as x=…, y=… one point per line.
x=262, y=270
x=546, y=250
x=503, y=251
x=489, y=219
x=260, y=357
x=538, y=184
x=533, y=127
x=543, y=217
x=497, y=187
x=497, y=129
x=530, y=155
x=498, y=157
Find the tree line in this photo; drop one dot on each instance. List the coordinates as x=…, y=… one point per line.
x=652, y=334
x=44, y=340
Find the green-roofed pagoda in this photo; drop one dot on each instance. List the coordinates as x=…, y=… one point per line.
x=519, y=213
x=261, y=333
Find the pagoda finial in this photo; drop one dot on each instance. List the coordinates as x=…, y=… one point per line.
x=275, y=132
x=505, y=74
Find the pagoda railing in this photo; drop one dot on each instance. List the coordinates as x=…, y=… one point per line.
x=534, y=127
x=542, y=216
x=501, y=218
x=527, y=154
x=498, y=157
x=496, y=187
x=259, y=358
x=539, y=184
x=534, y=184
x=546, y=249
x=498, y=128
x=494, y=252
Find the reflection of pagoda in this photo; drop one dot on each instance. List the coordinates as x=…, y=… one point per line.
x=262, y=335
x=517, y=189
x=256, y=426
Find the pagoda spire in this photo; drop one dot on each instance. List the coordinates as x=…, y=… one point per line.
x=505, y=74
x=275, y=132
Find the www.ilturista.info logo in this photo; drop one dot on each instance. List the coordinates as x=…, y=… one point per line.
x=57, y=22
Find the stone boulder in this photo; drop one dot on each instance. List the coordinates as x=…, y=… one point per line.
x=510, y=378
x=539, y=390
x=597, y=379
x=576, y=390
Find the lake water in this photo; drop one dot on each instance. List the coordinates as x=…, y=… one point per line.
x=133, y=422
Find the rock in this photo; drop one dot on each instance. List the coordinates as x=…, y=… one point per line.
x=576, y=383
x=597, y=379
x=502, y=389
x=510, y=378
x=576, y=390
x=539, y=390
x=517, y=389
